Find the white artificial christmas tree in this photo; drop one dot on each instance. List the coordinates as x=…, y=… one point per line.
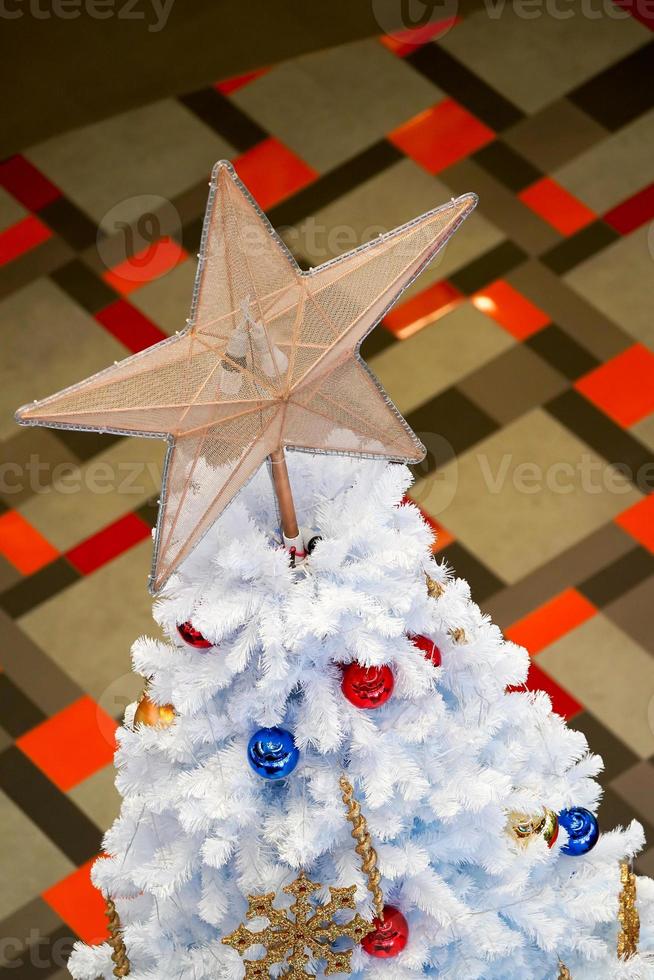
x=437, y=769
x=336, y=767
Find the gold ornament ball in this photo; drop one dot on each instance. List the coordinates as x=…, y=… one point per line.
x=154, y=715
x=524, y=828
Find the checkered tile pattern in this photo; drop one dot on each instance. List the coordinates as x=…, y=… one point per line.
x=523, y=358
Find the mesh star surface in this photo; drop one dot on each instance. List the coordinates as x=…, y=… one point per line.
x=269, y=359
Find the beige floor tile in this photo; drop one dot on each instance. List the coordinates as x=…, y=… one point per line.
x=611, y=675
x=329, y=105
x=50, y=342
x=99, y=492
x=28, y=859
x=11, y=210
x=614, y=168
x=400, y=193
x=98, y=798
x=506, y=48
x=439, y=355
x=131, y=156
x=105, y=612
x=481, y=496
x=167, y=301
x=618, y=281
x=644, y=431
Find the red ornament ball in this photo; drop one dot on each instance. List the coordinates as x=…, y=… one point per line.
x=388, y=937
x=429, y=649
x=193, y=637
x=367, y=687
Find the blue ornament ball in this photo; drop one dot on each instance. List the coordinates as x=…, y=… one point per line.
x=272, y=753
x=582, y=828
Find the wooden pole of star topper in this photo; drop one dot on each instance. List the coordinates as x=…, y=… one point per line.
x=282, y=485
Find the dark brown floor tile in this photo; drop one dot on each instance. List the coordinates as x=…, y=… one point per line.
x=53, y=812
x=85, y=445
x=616, y=755
x=44, y=959
x=8, y=574
x=508, y=166
x=463, y=85
x=620, y=93
x=71, y=224
x=563, y=353
x=599, y=549
x=35, y=589
x=372, y=161
x=518, y=223
x=636, y=786
x=512, y=383
x=570, y=252
x=218, y=112
x=29, y=461
x=622, y=575
x=603, y=435
x=33, y=671
x=457, y=421
x=39, y=261
x=554, y=135
x=577, y=317
x=84, y=286
x=32, y=923
x=632, y=612
x=488, y=267
x=377, y=341
x=17, y=712
x=615, y=812
x=644, y=863
x=482, y=581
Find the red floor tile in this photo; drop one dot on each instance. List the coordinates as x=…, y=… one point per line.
x=128, y=325
x=557, y=206
x=563, y=703
x=229, y=85
x=423, y=308
x=403, y=43
x=551, y=621
x=438, y=137
x=638, y=521
x=633, y=212
x=80, y=905
x=108, y=543
x=513, y=311
x=27, y=184
x=23, y=545
x=21, y=237
x=150, y=263
x=623, y=388
x=73, y=744
x=272, y=172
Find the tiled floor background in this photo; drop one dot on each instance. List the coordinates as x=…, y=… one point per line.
x=524, y=351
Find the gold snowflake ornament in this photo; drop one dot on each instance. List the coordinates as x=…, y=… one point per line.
x=286, y=940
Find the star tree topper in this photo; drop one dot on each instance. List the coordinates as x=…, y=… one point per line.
x=269, y=359
x=312, y=929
